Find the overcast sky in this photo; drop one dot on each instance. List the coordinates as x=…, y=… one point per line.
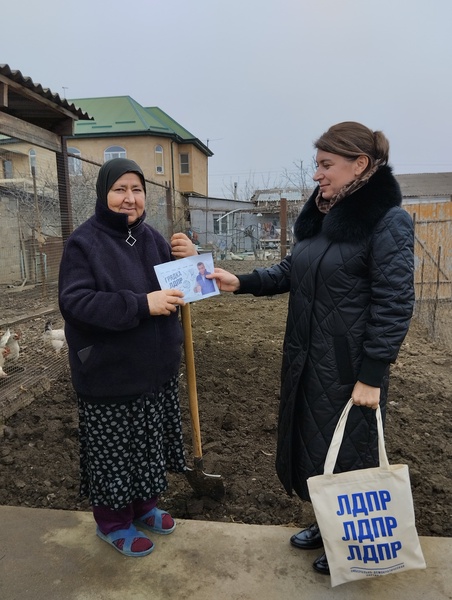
x=258, y=80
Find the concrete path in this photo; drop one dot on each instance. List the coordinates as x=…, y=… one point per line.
x=55, y=555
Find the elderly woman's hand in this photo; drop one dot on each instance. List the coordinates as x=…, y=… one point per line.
x=182, y=246
x=164, y=302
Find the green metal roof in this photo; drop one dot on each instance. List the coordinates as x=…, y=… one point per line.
x=170, y=123
x=118, y=115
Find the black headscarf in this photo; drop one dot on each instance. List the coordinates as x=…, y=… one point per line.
x=111, y=171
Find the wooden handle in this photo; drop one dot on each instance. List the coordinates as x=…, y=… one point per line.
x=191, y=380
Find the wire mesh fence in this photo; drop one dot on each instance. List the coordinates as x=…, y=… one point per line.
x=35, y=216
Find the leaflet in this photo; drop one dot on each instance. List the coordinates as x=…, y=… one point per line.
x=189, y=276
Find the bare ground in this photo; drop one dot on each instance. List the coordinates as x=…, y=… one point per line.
x=237, y=343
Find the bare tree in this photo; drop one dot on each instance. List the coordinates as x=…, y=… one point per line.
x=245, y=191
x=300, y=177
x=38, y=202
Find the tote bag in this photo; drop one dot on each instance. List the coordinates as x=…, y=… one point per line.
x=366, y=517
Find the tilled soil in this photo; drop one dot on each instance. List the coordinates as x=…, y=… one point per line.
x=237, y=342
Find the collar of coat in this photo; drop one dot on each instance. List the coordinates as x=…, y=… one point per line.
x=354, y=218
x=117, y=222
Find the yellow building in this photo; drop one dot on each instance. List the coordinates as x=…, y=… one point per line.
x=166, y=151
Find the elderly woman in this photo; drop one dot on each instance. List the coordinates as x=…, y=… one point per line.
x=350, y=280
x=124, y=340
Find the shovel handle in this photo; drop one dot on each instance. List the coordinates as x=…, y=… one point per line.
x=191, y=380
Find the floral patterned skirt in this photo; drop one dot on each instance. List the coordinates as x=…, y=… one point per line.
x=127, y=448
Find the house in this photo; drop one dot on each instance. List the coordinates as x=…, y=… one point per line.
x=222, y=225
x=168, y=153
x=172, y=158
x=245, y=226
x=268, y=203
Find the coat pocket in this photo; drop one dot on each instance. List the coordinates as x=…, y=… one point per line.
x=343, y=359
x=92, y=357
x=84, y=354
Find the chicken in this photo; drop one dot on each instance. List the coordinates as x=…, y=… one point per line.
x=12, y=345
x=54, y=337
x=5, y=337
x=3, y=354
x=4, y=351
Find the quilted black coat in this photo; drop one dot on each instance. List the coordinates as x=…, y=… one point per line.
x=350, y=280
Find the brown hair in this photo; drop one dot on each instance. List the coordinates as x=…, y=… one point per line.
x=350, y=140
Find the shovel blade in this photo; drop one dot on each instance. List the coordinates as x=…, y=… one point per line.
x=204, y=484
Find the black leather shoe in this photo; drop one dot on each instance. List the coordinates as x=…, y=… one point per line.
x=308, y=539
x=321, y=565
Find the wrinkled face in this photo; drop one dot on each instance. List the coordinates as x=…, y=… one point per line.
x=335, y=171
x=127, y=196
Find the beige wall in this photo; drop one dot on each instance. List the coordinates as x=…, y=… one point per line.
x=17, y=153
x=9, y=241
x=141, y=149
x=196, y=180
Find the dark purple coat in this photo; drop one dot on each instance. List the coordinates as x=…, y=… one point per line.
x=116, y=348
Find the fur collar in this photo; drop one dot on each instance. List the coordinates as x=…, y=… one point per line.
x=354, y=218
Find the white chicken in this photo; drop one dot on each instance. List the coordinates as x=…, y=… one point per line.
x=12, y=345
x=4, y=351
x=54, y=337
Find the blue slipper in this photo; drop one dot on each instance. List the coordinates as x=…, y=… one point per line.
x=128, y=535
x=158, y=518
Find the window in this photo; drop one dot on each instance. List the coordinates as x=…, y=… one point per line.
x=159, y=160
x=32, y=160
x=74, y=164
x=114, y=152
x=220, y=223
x=184, y=163
x=7, y=169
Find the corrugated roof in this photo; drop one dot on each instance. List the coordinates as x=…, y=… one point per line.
x=275, y=195
x=425, y=184
x=37, y=88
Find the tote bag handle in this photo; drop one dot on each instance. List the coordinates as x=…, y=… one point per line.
x=336, y=442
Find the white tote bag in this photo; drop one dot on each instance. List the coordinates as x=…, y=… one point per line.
x=366, y=517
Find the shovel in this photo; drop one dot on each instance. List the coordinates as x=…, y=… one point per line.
x=202, y=483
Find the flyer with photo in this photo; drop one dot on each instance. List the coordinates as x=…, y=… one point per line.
x=189, y=276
